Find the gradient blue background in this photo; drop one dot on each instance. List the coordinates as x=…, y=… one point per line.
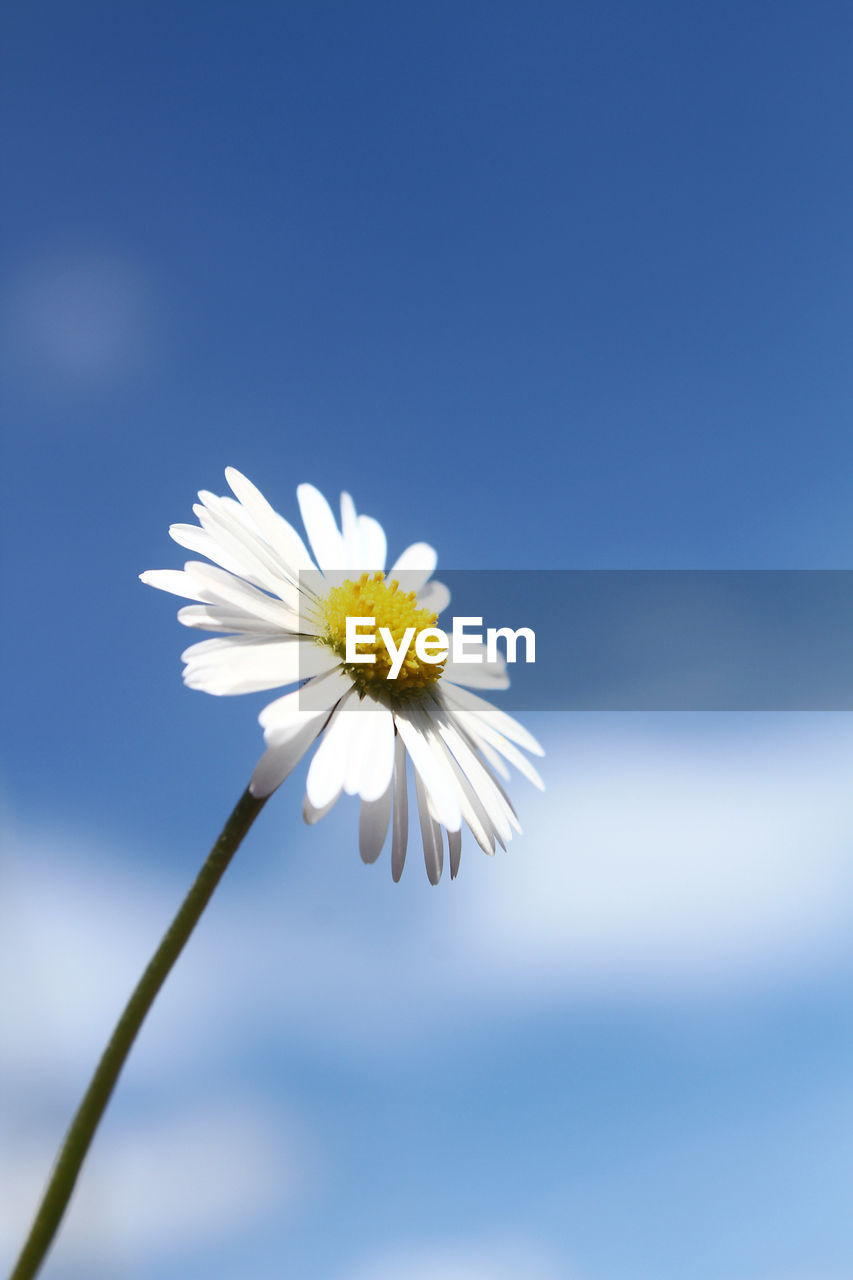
x=551, y=286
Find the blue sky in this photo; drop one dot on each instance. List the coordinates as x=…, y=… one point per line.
x=560, y=286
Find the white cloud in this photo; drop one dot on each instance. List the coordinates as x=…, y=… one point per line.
x=78, y=319
x=666, y=861
x=497, y=1259
x=660, y=862
x=76, y=932
x=156, y=1186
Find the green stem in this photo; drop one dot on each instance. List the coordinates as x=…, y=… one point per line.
x=85, y=1122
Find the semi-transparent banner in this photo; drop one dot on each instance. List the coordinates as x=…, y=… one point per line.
x=599, y=640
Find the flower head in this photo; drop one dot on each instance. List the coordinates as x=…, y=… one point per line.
x=281, y=619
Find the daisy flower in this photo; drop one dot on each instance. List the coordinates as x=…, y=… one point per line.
x=280, y=614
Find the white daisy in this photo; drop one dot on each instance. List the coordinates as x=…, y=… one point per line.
x=282, y=620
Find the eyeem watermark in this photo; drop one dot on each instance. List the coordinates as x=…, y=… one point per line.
x=602, y=639
x=433, y=645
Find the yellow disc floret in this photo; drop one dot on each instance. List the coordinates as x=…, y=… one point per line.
x=390, y=608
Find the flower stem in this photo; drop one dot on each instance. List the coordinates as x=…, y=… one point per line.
x=88, y=1116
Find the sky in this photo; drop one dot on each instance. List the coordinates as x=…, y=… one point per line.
x=555, y=286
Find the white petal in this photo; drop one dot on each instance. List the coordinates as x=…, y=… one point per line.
x=226, y=524
x=221, y=587
x=477, y=675
x=430, y=834
x=281, y=536
x=485, y=736
x=454, y=844
x=225, y=645
x=493, y=716
x=218, y=617
x=373, y=825
x=435, y=596
x=326, y=774
x=430, y=766
x=280, y=718
x=349, y=531
x=371, y=762
x=400, y=836
x=370, y=758
x=277, y=762
x=246, y=665
x=193, y=538
x=323, y=534
x=418, y=562
x=176, y=581
x=481, y=780
x=236, y=511
x=312, y=815
x=360, y=731
x=510, y=808
x=373, y=544
x=472, y=809
x=493, y=760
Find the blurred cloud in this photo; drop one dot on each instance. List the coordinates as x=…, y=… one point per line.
x=78, y=320
x=496, y=1259
x=665, y=861
x=157, y=1186
x=661, y=863
x=668, y=860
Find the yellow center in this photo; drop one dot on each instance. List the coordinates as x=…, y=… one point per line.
x=372, y=597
